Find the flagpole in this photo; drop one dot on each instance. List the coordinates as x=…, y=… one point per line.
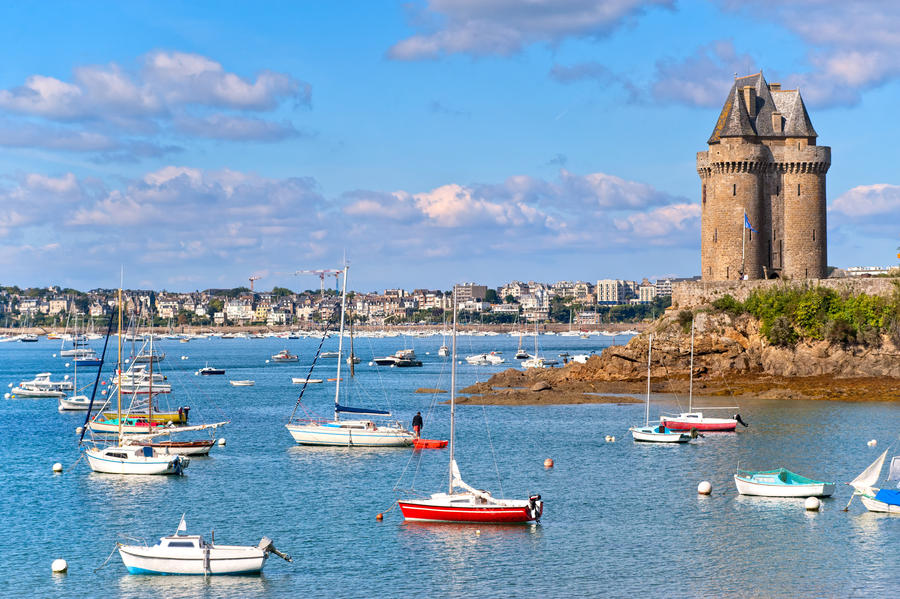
x=743, y=235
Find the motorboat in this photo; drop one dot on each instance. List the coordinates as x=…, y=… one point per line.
x=189, y=448
x=444, y=351
x=408, y=356
x=242, y=383
x=210, y=370
x=659, y=433
x=143, y=358
x=780, y=483
x=42, y=386
x=75, y=403
x=284, y=356
x=522, y=355
x=485, y=359
x=191, y=554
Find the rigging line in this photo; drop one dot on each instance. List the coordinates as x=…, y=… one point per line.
x=309, y=372
x=671, y=388
x=493, y=455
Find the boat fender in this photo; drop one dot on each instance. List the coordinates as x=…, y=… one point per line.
x=738, y=418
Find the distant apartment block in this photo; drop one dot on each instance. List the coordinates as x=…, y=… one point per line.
x=466, y=292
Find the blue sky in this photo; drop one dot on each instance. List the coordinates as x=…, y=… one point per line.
x=431, y=142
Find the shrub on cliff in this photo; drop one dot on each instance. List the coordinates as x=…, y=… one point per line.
x=788, y=314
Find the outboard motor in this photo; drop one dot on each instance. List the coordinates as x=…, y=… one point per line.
x=536, y=506
x=268, y=546
x=184, y=410
x=738, y=418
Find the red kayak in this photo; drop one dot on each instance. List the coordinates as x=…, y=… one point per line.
x=429, y=444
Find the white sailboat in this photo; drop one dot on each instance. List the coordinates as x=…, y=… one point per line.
x=77, y=402
x=463, y=503
x=348, y=433
x=877, y=499
x=659, y=433
x=130, y=459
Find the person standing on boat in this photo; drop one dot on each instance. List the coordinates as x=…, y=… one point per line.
x=417, y=424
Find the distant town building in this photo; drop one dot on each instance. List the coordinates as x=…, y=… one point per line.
x=470, y=292
x=867, y=271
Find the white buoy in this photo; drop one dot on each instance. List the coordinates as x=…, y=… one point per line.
x=222, y=441
x=812, y=504
x=607, y=438
x=66, y=377
x=79, y=430
x=6, y=395
x=67, y=365
x=872, y=443
x=477, y=531
x=103, y=392
x=57, y=467
x=612, y=439
x=59, y=566
x=9, y=385
x=704, y=488
x=54, y=355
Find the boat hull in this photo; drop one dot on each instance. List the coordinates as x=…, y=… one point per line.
x=35, y=393
x=142, y=560
x=649, y=436
x=873, y=505
x=428, y=510
x=685, y=422
x=102, y=461
x=763, y=489
x=345, y=435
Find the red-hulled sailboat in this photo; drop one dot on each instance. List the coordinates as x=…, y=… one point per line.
x=463, y=503
x=696, y=420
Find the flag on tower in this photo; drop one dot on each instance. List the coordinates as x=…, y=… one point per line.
x=747, y=224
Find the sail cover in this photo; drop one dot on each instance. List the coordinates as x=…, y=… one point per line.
x=349, y=410
x=458, y=482
x=870, y=475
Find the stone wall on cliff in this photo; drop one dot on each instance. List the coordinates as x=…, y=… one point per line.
x=691, y=294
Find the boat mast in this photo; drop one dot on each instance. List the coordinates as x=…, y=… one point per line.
x=649, y=351
x=452, y=390
x=119, y=373
x=337, y=386
x=150, y=386
x=691, y=373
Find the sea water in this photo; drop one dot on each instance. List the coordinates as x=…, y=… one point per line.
x=620, y=519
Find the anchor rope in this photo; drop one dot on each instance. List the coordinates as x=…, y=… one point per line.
x=108, y=557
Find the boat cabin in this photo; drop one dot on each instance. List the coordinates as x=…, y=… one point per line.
x=181, y=542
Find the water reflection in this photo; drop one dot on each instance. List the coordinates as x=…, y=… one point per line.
x=177, y=587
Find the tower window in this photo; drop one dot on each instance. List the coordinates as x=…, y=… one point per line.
x=715, y=235
x=798, y=189
x=751, y=235
x=704, y=195
x=709, y=270
x=814, y=234
x=727, y=271
x=734, y=189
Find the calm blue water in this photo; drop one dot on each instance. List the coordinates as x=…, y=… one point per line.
x=620, y=520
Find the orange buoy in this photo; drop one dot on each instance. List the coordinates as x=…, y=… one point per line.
x=548, y=463
x=379, y=517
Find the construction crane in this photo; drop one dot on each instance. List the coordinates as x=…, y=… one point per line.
x=254, y=278
x=322, y=272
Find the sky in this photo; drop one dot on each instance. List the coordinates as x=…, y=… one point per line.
x=426, y=142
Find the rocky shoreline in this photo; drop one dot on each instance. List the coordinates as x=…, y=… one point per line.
x=731, y=358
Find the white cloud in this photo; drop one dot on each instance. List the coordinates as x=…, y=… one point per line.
x=868, y=201
x=104, y=107
x=666, y=225
x=701, y=79
x=503, y=27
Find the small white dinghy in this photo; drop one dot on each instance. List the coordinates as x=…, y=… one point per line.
x=190, y=554
x=299, y=380
x=244, y=383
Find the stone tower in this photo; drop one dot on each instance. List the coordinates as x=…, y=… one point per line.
x=763, y=161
